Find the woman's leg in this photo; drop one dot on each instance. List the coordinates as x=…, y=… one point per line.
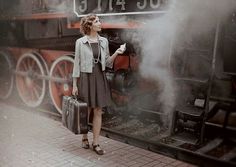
x=85, y=136
x=97, y=123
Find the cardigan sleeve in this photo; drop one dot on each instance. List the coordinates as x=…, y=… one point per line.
x=76, y=67
x=109, y=63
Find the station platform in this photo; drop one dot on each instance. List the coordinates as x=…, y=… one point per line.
x=29, y=139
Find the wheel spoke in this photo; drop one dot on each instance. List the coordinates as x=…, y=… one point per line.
x=22, y=84
x=24, y=66
x=31, y=95
x=28, y=62
x=36, y=93
x=31, y=89
x=61, y=71
x=33, y=65
x=38, y=87
x=58, y=87
x=66, y=68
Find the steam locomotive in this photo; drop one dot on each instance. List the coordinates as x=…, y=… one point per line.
x=37, y=41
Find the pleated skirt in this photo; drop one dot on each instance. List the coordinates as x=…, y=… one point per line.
x=94, y=88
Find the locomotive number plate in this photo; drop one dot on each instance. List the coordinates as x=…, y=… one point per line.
x=118, y=7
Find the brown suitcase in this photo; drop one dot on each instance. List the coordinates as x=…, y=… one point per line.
x=75, y=115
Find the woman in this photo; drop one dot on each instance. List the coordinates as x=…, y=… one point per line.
x=91, y=57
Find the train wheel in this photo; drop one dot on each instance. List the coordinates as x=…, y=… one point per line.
x=6, y=75
x=60, y=83
x=30, y=83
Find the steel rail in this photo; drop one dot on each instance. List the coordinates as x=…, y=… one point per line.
x=172, y=151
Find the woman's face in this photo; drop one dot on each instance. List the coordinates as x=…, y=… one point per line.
x=96, y=26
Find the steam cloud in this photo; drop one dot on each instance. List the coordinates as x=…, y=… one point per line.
x=159, y=35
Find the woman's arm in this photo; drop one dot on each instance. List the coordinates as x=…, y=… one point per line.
x=74, y=82
x=76, y=69
x=75, y=88
x=110, y=59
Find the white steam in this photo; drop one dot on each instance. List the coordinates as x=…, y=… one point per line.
x=58, y=5
x=162, y=33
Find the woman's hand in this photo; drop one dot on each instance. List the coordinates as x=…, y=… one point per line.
x=75, y=90
x=121, y=49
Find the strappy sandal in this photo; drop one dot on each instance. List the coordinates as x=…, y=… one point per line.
x=85, y=143
x=98, y=149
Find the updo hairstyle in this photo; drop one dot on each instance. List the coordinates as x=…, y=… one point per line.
x=86, y=23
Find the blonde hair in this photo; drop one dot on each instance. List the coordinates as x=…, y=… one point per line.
x=86, y=23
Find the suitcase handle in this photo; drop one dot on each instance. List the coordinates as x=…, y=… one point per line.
x=76, y=97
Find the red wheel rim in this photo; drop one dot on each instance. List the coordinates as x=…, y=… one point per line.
x=61, y=69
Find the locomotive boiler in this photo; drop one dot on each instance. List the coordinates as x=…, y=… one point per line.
x=37, y=41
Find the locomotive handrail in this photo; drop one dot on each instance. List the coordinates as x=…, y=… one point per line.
x=191, y=79
x=223, y=99
x=213, y=67
x=194, y=49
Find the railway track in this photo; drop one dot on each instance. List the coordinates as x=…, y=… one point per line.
x=217, y=150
